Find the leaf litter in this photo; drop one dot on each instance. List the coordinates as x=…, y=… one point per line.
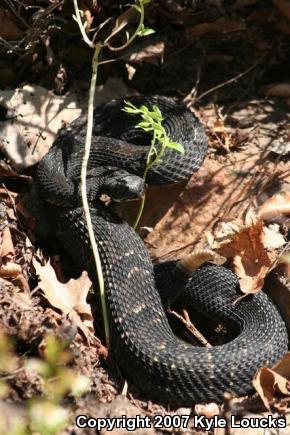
x=251, y=250
x=69, y=298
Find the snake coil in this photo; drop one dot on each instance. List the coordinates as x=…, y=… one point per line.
x=151, y=356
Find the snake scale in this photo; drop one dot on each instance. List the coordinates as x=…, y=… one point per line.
x=161, y=365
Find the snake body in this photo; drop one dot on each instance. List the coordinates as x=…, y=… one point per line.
x=164, y=367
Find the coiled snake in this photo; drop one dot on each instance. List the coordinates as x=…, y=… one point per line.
x=164, y=367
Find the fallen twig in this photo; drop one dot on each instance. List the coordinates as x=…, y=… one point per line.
x=185, y=319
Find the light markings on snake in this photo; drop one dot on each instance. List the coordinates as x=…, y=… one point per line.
x=127, y=254
x=139, y=308
x=157, y=321
x=133, y=270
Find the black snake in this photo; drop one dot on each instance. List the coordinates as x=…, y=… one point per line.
x=164, y=367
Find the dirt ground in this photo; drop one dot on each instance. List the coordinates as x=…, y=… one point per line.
x=228, y=61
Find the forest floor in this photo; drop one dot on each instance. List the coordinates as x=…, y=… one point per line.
x=229, y=62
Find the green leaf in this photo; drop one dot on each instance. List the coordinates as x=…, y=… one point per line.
x=130, y=108
x=145, y=31
x=144, y=109
x=145, y=125
x=157, y=112
x=176, y=146
x=158, y=127
x=129, y=104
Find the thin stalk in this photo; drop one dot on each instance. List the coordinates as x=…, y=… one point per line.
x=148, y=166
x=95, y=63
x=81, y=26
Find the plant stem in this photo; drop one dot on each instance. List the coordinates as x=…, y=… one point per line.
x=95, y=64
x=149, y=163
x=81, y=26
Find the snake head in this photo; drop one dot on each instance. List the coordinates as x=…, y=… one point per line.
x=122, y=186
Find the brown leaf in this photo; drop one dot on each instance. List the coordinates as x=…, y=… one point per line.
x=221, y=25
x=122, y=21
x=209, y=409
x=272, y=238
x=239, y=4
x=6, y=244
x=26, y=136
x=283, y=6
x=244, y=245
x=10, y=270
x=69, y=298
x=277, y=90
x=222, y=137
x=270, y=382
x=8, y=29
x=281, y=148
x=276, y=208
x=87, y=14
x=7, y=171
x=147, y=52
x=277, y=287
x=271, y=19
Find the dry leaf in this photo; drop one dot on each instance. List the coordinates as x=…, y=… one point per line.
x=8, y=29
x=221, y=25
x=6, y=244
x=276, y=208
x=270, y=382
x=281, y=148
x=272, y=238
x=209, y=409
x=277, y=289
x=285, y=258
x=277, y=90
x=122, y=21
x=21, y=282
x=271, y=19
x=113, y=88
x=69, y=298
x=219, y=131
x=87, y=14
x=10, y=270
x=239, y=4
x=7, y=171
x=283, y=6
x=245, y=247
x=35, y=115
x=146, y=52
